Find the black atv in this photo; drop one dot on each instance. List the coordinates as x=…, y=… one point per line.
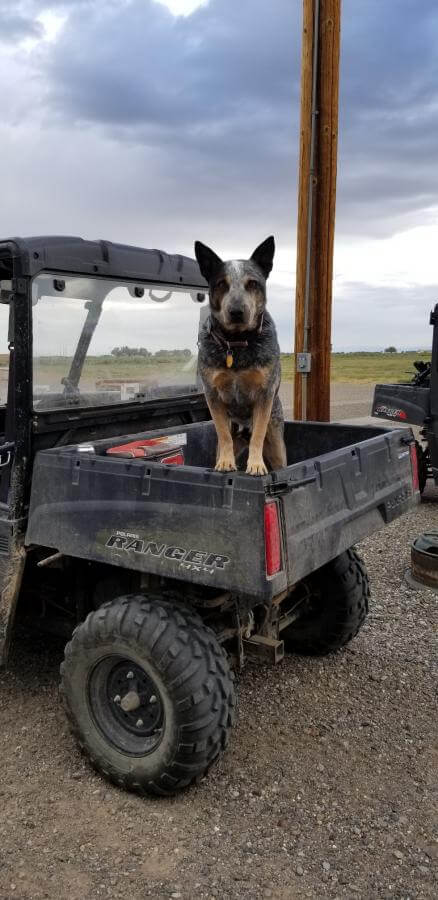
x=415, y=402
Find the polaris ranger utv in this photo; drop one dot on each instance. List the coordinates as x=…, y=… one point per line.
x=415, y=402
x=116, y=530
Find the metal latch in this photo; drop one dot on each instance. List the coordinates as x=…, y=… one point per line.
x=280, y=487
x=286, y=487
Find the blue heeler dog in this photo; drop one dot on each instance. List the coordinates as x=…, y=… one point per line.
x=239, y=360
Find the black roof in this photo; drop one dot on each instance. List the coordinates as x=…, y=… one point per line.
x=76, y=256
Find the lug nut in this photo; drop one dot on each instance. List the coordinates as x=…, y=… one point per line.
x=117, y=698
x=152, y=699
x=139, y=723
x=130, y=675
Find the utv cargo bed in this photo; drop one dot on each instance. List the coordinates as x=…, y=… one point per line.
x=194, y=524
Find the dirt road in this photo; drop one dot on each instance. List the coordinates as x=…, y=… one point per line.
x=347, y=401
x=328, y=789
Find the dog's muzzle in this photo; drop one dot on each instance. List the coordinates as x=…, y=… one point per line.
x=236, y=315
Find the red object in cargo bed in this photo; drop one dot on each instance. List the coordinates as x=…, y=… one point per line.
x=160, y=449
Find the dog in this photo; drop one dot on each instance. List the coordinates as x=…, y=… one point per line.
x=239, y=360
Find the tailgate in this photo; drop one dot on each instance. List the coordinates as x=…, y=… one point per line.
x=346, y=495
x=180, y=522
x=191, y=523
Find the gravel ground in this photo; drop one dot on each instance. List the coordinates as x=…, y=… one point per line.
x=328, y=789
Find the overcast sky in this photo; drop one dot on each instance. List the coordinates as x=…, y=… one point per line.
x=157, y=122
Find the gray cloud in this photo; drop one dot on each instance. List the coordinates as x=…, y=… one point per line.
x=207, y=92
x=141, y=127
x=388, y=114
x=370, y=318
x=134, y=63
x=219, y=91
x=16, y=27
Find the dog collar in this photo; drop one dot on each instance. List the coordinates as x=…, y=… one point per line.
x=230, y=345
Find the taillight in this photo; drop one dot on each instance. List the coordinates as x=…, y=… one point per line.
x=414, y=464
x=272, y=538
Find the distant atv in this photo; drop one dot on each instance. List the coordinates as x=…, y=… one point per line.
x=416, y=403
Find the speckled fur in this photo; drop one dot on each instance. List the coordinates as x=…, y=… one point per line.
x=240, y=397
x=262, y=352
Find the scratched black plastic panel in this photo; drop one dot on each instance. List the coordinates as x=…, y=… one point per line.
x=359, y=479
x=74, y=255
x=80, y=501
x=412, y=401
x=358, y=489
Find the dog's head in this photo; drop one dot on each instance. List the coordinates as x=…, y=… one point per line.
x=237, y=287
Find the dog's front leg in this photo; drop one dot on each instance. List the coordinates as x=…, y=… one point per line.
x=225, y=457
x=260, y=421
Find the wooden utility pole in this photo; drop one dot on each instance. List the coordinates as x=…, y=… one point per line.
x=316, y=207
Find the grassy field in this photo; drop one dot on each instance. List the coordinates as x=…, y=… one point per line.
x=364, y=367
x=50, y=369
x=346, y=367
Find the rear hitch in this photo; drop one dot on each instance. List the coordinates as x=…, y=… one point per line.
x=265, y=649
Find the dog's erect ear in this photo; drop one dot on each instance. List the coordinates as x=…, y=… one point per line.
x=263, y=256
x=208, y=261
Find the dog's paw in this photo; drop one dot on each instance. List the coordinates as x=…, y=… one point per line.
x=256, y=466
x=226, y=464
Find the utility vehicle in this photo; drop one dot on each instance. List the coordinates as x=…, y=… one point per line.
x=415, y=402
x=117, y=532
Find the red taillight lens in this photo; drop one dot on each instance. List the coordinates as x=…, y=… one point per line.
x=414, y=464
x=272, y=538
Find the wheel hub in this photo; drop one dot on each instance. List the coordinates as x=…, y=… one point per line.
x=130, y=701
x=126, y=705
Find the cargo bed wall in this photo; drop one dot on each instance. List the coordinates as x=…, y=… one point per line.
x=309, y=440
x=355, y=491
x=182, y=522
x=195, y=524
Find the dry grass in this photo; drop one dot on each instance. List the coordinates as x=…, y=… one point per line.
x=364, y=367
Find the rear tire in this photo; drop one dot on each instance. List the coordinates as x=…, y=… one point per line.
x=157, y=657
x=334, y=608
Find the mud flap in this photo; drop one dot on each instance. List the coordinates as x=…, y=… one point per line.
x=10, y=589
